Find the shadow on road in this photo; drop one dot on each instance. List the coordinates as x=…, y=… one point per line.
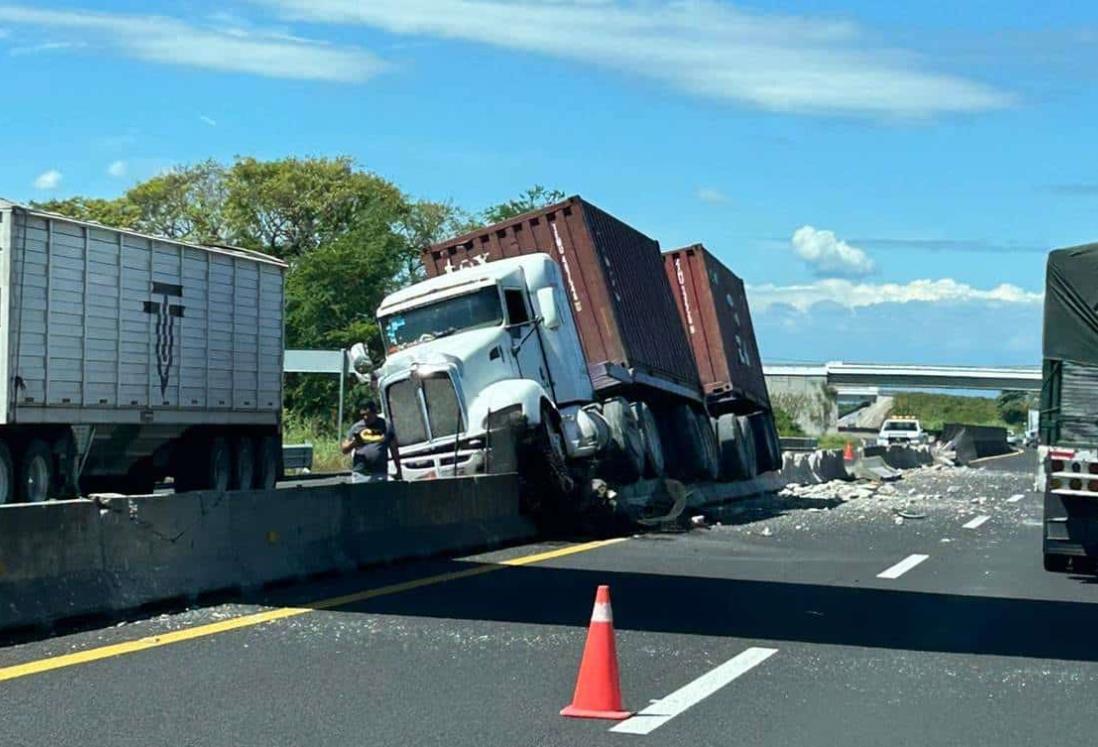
x=807, y=613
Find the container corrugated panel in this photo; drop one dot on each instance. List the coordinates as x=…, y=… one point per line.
x=713, y=308
x=614, y=275
x=104, y=319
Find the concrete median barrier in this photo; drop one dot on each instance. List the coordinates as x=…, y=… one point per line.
x=75, y=558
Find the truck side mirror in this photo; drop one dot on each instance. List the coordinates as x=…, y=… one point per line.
x=362, y=364
x=547, y=302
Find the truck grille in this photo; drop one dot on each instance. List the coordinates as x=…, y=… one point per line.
x=424, y=409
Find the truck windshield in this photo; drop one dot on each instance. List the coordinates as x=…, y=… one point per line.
x=481, y=308
x=902, y=425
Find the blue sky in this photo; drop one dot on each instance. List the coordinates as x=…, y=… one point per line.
x=886, y=177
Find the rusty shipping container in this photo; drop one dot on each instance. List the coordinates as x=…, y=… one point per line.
x=621, y=300
x=713, y=307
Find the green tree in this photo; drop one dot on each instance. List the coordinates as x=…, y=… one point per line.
x=1013, y=406
x=118, y=213
x=185, y=203
x=532, y=199
x=331, y=297
x=427, y=223
x=292, y=206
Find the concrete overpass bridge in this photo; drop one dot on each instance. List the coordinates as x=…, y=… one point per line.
x=859, y=377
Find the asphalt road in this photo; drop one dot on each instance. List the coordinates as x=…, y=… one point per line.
x=974, y=644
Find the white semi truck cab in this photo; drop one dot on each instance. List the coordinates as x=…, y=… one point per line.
x=485, y=344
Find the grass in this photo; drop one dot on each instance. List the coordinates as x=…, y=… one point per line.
x=933, y=410
x=838, y=441
x=326, y=454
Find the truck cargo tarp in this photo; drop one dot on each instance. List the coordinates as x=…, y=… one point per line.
x=1071, y=305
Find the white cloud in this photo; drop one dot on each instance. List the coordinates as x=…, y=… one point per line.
x=712, y=196
x=829, y=256
x=207, y=120
x=226, y=48
x=857, y=295
x=48, y=180
x=703, y=47
x=46, y=47
x=117, y=169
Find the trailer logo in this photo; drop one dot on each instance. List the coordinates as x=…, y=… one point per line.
x=166, y=313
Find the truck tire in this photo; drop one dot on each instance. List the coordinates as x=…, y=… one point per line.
x=768, y=458
x=654, y=463
x=68, y=468
x=268, y=460
x=711, y=457
x=244, y=456
x=689, y=457
x=7, y=475
x=733, y=454
x=36, y=472
x=1056, y=563
x=626, y=442
x=747, y=435
x=543, y=470
x=207, y=465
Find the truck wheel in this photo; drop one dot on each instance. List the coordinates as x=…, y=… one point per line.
x=244, y=454
x=544, y=469
x=733, y=455
x=36, y=472
x=711, y=458
x=765, y=457
x=654, y=464
x=626, y=441
x=208, y=465
x=689, y=457
x=747, y=437
x=68, y=469
x=1056, y=563
x=7, y=475
x=219, y=465
x=268, y=457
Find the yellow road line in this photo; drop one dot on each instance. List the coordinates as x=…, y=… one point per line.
x=281, y=613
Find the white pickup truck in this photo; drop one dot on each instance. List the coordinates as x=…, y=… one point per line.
x=901, y=431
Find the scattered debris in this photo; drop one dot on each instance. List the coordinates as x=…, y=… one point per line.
x=907, y=514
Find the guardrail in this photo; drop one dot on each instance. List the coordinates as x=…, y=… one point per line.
x=798, y=443
x=297, y=456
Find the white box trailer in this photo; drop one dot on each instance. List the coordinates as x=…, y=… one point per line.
x=127, y=358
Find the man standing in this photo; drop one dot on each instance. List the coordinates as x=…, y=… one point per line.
x=371, y=440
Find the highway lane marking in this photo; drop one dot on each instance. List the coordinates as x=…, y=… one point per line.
x=665, y=709
x=1015, y=498
x=903, y=566
x=997, y=456
x=247, y=621
x=976, y=523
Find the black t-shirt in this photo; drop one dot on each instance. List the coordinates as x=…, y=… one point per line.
x=371, y=446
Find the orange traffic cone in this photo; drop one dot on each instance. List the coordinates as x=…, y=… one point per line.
x=848, y=452
x=598, y=689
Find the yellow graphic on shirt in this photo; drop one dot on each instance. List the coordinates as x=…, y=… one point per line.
x=370, y=436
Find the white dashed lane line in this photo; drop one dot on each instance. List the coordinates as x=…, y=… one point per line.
x=665, y=709
x=977, y=522
x=902, y=567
